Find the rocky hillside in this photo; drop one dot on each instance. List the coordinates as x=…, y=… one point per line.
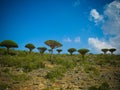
x=96, y=72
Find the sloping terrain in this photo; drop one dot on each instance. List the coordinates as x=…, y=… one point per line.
x=64, y=73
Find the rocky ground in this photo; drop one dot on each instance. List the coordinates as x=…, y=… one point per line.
x=74, y=79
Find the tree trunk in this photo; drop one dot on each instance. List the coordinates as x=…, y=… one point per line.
x=30, y=50
x=111, y=52
x=51, y=54
x=83, y=57
x=7, y=50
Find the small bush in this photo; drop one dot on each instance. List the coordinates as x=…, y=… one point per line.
x=2, y=51
x=27, y=67
x=67, y=63
x=42, y=65
x=56, y=73
x=5, y=70
x=3, y=86
x=93, y=88
x=104, y=86
x=89, y=69
x=20, y=77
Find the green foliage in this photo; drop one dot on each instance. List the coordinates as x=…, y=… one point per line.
x=71, y=50
x=104, y=50
x=42, y=65
x=2, y=51
x=53, y=44
x=83, y=51
x=22, y=53
x=63, y=65
x=30, y=46
x=3, y=86
x=93, y=88
x=20, y=77
x=28, y=67
x=9, y=44
x=56, y=73
x=42, y=49
x=28, y=62
x=92, y=70
x=107, y=59
x=104, y=86
x=112, y=50
x=59, y=50
x=5, y=70
x=50, y=50
x=66, y=62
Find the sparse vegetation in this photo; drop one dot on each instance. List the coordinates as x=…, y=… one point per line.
x=112, y=50
x=30, y=47
x=63, y=72
x=42, y=49
x=103, y=86
x=71, y=50
x=105, y=50
x=83, y=52
x=8, y=44
x=3, y=86
x=93, y=70
x=55, y=73
x=93, y=88
x=52, y=44
x=59, y=50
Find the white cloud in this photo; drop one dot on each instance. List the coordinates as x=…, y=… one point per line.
x=112, y=13
x=67, y=40
x=94, y=15
x=76, y=3
x=110, y=26
x=98, y=44
x=77, y=40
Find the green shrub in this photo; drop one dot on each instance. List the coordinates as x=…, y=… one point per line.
x=56, y=73
x=2, y=51
x=20, y=77
x=5, y=70
x=93, y=88
x=3, y=86
x=104, y=86
x=89, y=69
x=27, y=67
x=67, y=63
x=42, y=65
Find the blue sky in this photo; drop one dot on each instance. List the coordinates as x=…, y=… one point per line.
x=74, y=23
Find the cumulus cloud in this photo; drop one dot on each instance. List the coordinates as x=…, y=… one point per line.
x=99, y=44
x=67, y=40
x=76, y=3
x=94, y=15
x=77, y=40
x=110, y=26
x=112, y=23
